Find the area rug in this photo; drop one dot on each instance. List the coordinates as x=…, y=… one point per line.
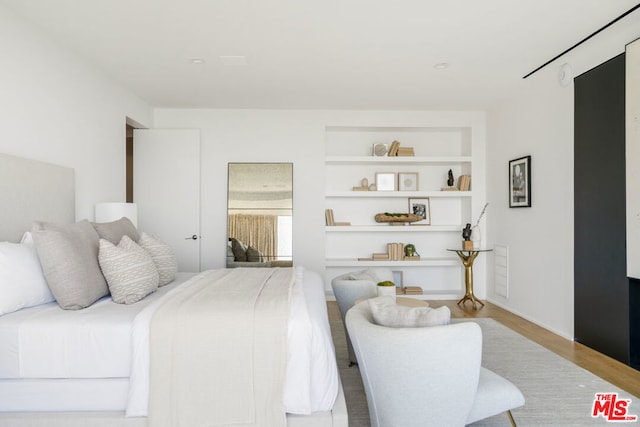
x=557, y=392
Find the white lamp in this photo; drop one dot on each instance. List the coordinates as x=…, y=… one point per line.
x=107, y=212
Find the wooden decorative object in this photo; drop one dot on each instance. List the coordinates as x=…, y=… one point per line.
x=397, y=217
x=467, y=245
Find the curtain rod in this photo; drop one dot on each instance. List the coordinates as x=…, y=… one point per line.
x=584, y=39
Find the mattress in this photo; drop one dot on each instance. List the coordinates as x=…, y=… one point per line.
x=49, y=355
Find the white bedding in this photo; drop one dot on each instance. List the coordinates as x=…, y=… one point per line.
x=45, y=345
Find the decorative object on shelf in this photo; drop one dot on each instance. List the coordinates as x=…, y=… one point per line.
x=464, y=183
x=467, y=243
x=364, y=185
x=450, y=182
x=373, y=187
x=420, y=207
x=408, y=181
x=393, y=151
x=386, y=181
x=391, y=217
x=520, y=182
x=380, y=149
x=410, y=253
x=410, y=250
x=386, y=288
x=476, y=233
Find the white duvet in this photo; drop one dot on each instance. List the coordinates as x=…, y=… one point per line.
x=108, y=341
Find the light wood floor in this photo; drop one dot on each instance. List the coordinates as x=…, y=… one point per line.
x=603, y=366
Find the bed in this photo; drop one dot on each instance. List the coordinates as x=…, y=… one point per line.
x=83, y=367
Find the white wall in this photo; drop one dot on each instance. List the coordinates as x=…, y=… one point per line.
x=537, y=120
x=298, y=137
x=56, y=108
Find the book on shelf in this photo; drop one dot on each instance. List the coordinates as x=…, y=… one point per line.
x=449, y=189
x=328, y=216
x=380, y=257
x=365, y=259
x=393, y=150
x=399, y=290
x=413, y=290
x=405, y=151
x=341, y=223
x=395, y=251
x=360, y=188
x=464, y=182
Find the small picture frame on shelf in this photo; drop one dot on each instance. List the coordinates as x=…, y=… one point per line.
x=398, y=278
x=420, y=206
x=407, y=181
x=520, y=182
x=386, y=181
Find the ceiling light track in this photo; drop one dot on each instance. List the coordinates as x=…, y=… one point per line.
x=584, y=39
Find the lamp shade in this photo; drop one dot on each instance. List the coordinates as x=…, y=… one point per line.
x=107, y=212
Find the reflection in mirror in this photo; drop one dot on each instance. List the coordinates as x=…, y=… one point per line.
x=260, y=215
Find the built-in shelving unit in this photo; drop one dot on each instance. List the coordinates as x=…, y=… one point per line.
x=349, y=159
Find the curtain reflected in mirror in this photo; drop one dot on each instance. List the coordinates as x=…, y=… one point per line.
x=260, y=215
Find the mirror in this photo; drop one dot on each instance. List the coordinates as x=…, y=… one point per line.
x=260, y=215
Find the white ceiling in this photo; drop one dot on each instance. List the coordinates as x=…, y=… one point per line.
x=333, y=54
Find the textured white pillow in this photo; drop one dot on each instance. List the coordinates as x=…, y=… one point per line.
x=162, y=256
x=22, y=283
x=376, y=275
x=129, y=270
x=387, y=313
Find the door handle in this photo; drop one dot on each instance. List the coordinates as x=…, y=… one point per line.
x=194, y=237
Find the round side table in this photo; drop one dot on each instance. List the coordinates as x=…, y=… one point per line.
x=467, y=257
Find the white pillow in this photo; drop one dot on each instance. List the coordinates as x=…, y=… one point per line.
x=375, y=274
x=22, y=283
x=386, y=313
x=162, y=256
x=129, y=270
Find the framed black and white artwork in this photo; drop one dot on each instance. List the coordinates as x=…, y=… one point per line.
x=420, y=206
x=520, y=182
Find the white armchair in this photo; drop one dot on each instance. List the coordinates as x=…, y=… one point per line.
x=350, y=287
x=428, y=376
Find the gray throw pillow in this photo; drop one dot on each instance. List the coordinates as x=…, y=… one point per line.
x=69, y=258
x=386, y=313
x=239, y=249
x=129, y=270
x=254, y=255
x=114, y=230
x=162, y=256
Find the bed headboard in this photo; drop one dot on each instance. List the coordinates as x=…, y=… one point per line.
x=33, y=191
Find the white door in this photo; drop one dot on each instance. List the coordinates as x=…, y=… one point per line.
x=166, y=188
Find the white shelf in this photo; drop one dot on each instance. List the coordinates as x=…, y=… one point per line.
x=392, y=229
x=424, y=262
x=395, y=160
x=403, y=194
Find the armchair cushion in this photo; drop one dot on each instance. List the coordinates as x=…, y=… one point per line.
x=386, y=313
